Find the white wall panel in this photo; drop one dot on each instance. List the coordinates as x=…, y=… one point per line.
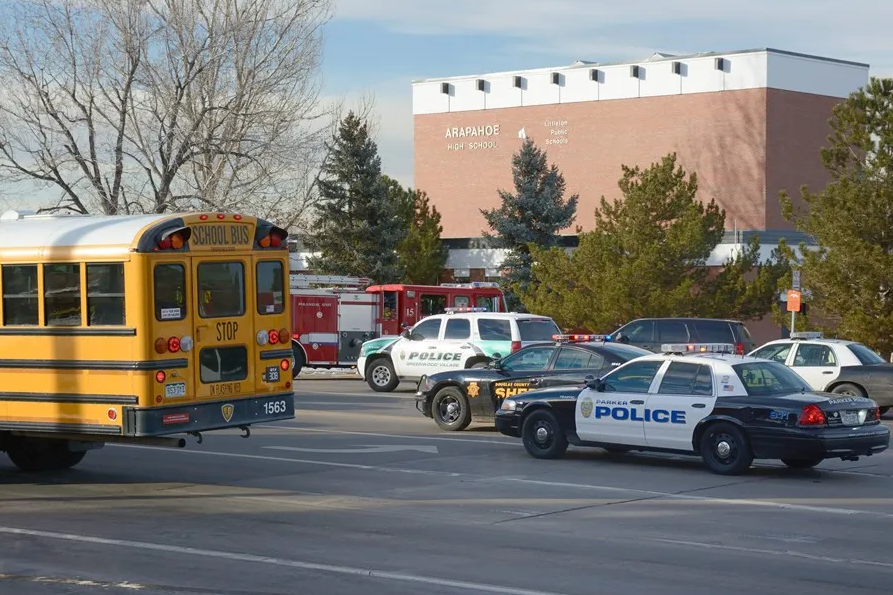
x=808, y=75
x=745, y=70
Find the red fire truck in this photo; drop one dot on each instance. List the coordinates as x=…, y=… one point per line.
x=333, y=315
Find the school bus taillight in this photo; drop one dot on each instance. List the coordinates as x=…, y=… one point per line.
x=174, y=240
x=274, y=336
x=160, y=376
x=274, y=239
x=284, y=364
x=173, y=344
x=284, y=336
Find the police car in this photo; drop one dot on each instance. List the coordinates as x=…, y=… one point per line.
x=700, y=400
x=455, y=398
x=834, y=365
x=461, y=338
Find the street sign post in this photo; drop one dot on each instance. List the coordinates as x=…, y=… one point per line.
x=796, y=280
x=794, y=302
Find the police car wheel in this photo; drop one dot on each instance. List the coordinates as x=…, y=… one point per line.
x=725, y=449
x=801, y=463
x=381, y=376
x=542, y=435
x=450, y=410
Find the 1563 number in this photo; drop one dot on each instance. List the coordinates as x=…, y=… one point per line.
x=274, y=407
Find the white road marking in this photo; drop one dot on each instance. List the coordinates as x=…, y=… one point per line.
x=254, y=558
x=72, y=581
x=508, y=442
x=370, y=448
x=362, y=396
x=735, y=548
x=290, y=460
x=505, y=479
x=711, y=499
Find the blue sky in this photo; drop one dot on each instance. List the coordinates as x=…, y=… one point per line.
x=379, y=46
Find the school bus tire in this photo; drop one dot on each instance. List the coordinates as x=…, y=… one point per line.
x=450, y=409
x=300, y=359
x=381, y=376
x=42, y=454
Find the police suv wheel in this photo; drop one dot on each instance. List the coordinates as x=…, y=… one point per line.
x=380, y=375
x=542, y=435
x=725, y=449
x=450, y=409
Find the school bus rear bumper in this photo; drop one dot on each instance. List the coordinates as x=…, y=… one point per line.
x=207, y=416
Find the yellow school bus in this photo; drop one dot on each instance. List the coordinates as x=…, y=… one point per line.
x=137, y=329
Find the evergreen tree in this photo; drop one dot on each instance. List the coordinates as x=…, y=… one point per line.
x=358, y=226
x=422, y=254
x=532, y=215
x=850, y=275
x=647, y=257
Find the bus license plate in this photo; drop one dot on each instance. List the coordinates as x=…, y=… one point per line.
x=272, y=373
x=177, y=389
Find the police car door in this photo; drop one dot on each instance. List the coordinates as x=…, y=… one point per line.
x=413, y=357
x=816, y=364
x=615, y=415
x=684, y=397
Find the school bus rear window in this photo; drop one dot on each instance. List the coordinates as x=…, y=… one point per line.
x=20, y=295
x=62, y=294
x=170, y=292
x=223, y=364
x=221, y=287
x=270, y=280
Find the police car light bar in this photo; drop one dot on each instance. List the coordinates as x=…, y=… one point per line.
x=697, y=348
x=578, y=338
x=807, y=335
x=460, y=310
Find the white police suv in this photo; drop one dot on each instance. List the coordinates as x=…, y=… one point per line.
x=700, y=400
x=461, y=338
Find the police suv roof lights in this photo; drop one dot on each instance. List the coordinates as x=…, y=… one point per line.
x=579, y=338
x=689, y=348
x=464, y=310
x=807, y=335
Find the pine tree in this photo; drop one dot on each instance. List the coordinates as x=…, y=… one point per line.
x=532, y=215
x=850, y=274
x=358, y=226
x=647, y=256
x=421, y=254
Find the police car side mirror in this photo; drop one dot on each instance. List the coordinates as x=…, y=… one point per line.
x=597, y=385
x=406, y=334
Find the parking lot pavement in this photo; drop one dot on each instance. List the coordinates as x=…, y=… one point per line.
x=362, y=493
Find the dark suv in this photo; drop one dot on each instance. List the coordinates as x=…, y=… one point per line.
x=651, y=333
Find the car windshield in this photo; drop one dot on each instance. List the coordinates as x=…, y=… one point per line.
x=769, y=378
x=865, y=355
x=537, y=329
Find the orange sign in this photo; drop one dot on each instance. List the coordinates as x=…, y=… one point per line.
x=793, y=300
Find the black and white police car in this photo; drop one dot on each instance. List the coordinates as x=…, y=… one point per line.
x=702, y=400
x=834, y=365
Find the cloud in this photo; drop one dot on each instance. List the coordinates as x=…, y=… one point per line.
x=610, y=30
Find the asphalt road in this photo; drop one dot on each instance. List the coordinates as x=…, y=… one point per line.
x=361, y=494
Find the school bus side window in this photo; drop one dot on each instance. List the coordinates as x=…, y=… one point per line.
x=221, y=289
x=62, y=294
x=105, y=294
x=170, y=292
x=270, y=297
x=20, y=295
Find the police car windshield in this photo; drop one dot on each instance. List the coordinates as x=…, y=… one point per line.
x=537, y=329
x=769, y=378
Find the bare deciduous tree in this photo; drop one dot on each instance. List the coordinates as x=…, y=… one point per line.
x=132, y=106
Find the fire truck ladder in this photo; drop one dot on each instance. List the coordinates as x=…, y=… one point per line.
x=302, y=281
